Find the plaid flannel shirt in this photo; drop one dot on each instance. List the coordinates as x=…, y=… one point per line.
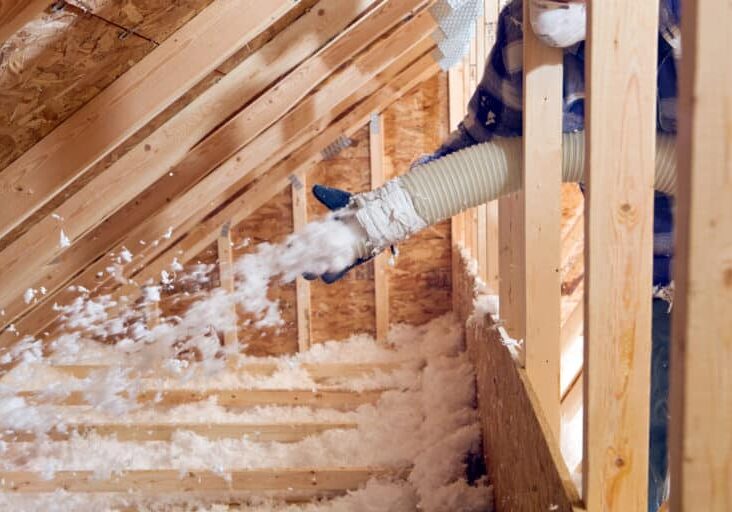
x=495, y=107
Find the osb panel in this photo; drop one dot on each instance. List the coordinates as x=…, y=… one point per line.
x=152, y=19
x=420, y=282
x=270, y=223
x=524, y=480
x=52, y=67
x=347, y=306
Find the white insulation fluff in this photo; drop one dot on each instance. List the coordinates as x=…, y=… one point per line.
x=424, y=423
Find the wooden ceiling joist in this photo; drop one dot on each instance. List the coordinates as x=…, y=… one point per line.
x=343, y=400
x=24, y=260
x=269, y=479
x=143, y=432
x=129, y=103
x=15, y=14
x=260, y=151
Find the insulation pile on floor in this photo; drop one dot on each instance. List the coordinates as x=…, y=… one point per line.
x=346, y=426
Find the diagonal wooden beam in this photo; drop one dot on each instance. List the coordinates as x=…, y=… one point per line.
x=169, y=144
x=23, y=259
x=242, y=168
x=129, y=103
x=15, y=14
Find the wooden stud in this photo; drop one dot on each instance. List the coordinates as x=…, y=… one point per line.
x=226, y=276
x=621, y=140
x=299, y=220
x=242, y=83
x=105, y=194
x=127, y=105
x=701, y=358
x=539, y=230
x=172, y=480
x=15, y=14
x=381, y=265
x=144, y=432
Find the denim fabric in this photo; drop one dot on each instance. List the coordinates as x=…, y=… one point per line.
x=658, y=444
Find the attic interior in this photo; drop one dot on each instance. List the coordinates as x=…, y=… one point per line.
x=161, y=349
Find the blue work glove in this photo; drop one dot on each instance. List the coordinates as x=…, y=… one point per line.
x=334, y=199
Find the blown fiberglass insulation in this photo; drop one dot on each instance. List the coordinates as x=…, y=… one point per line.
x=426, y=422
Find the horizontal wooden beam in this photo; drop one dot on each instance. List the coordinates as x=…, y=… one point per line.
x=270, y=479
x=317, y=371
x=128, y=104
x=15, y=14
x=331, y=398
x=139, y=432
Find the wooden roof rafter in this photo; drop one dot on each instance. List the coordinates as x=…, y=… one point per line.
x=365, y=66
x=129, y=103
x=377, y=95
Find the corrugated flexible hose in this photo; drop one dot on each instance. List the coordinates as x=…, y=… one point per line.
x=481, y=173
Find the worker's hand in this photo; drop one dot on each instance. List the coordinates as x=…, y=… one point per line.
x=335, y=199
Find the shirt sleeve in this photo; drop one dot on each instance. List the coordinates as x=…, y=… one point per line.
x=495, y=107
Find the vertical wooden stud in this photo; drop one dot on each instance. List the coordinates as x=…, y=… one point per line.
x=540, y=201
x=302, y=286
x=226, y=275
x=701, y=359
x=381, y=278
x=621, y=140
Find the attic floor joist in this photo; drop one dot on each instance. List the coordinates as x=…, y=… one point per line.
x=278, y=479
x=37, y=321
x=208, y=156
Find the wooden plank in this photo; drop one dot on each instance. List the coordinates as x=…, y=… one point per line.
x=128, y=104
x=242, y=168
x=300, y=218
x=381, y=265
x=701, y=359
x=143, y=432
x=145, y=164
x=319, y=372
x=540, y=224
x=509, y=260
x=523, y=479
x=269, y=479
x=621, y=137
x=15, y=14
x=240, y=398
x=226, y=276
